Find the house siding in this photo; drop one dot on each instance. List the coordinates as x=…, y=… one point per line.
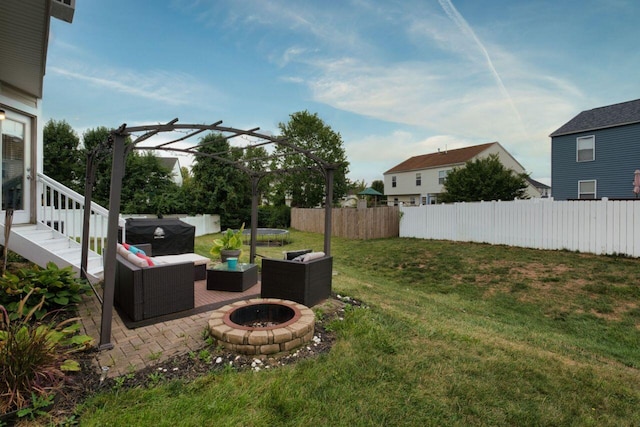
x=617, y=156
x=406, y=188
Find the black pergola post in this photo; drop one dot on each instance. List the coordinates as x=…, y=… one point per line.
x=328, y=206
x=117, y=172
x=88, y=195
x=254, y=217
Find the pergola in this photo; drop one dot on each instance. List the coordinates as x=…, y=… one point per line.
x=119, y=147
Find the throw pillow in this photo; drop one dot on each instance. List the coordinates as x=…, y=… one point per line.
x=311, y=256
x=137, y=261
x=135, y=250
x=140, y=254
x=294, y=254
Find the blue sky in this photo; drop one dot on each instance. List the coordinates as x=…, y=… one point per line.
x=394, y=78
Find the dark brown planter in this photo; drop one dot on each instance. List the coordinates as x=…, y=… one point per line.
x=229, y=253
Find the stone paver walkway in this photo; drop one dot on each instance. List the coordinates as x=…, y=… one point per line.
x=145, y=346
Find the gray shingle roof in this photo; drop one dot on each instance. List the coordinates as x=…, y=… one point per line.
x=624, y=113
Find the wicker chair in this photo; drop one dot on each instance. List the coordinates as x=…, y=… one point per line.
x=147, y=292
x=307, y=283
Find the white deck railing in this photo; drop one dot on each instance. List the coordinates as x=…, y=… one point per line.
x=63, y=209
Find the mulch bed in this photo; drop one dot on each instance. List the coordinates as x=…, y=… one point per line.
x=79, y=386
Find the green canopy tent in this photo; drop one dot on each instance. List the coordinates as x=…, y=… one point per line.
x=371, y=192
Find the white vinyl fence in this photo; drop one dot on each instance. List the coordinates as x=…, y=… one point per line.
x=595, y=226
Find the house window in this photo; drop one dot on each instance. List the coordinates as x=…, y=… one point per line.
x=586, y=149
x=393, y=181
x=442, y=176
x=395, y=201
x=418, y=179
x=587, y=189
x=412, y=201
x=424, y=200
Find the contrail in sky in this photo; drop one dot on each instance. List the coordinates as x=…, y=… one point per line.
x=459, y=20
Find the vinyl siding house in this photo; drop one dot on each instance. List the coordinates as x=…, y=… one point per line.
x=173, y=164
x=595, y=154
x=42, y=212
x=419, y=180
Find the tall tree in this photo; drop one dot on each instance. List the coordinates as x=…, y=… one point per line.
x=91, y=138
x=218, y=185
x=147, y=186
x=304, y=183
x=484, y=179
x=63, y=158
x=257, y=159
x=378, y=185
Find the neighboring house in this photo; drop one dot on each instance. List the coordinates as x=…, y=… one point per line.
x=419, y=180
x=596, y=153
x=173, y=164
x=543, y=189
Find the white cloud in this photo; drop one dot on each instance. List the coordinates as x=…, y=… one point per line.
x=158, y=85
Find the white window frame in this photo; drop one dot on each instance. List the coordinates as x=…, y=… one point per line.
x=418, y=179
x=595, y=189
x=393, y=182
x=591, y=140
x=442, y=175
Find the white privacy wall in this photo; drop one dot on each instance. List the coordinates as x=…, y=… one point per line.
x=599, y=226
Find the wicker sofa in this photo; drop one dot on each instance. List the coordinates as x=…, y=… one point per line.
x=307, y=283
x=147, y=292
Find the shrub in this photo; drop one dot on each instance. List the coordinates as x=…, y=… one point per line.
x=274, y=216
x=58, y=286
x=33, y=355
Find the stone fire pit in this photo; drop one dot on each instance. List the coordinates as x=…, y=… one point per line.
x=262, y=326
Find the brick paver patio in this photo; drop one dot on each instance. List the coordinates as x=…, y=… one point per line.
x=145, y=346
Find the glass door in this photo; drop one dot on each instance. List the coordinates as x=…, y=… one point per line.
x=16, y=162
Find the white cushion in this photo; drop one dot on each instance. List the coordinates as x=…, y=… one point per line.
x=311, y=256
x=122, y=251
x=175, y=259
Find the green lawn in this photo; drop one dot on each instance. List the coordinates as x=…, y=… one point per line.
x=454, y=334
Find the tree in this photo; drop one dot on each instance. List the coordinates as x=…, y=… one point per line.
x=218, y=185
x=91, y=138
x=378, y=185
x=483, y=179
x=304, y=185
x=147, y=186
x=63, y=159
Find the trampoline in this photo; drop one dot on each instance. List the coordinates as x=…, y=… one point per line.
x=267, y=236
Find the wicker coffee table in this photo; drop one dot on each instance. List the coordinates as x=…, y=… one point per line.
x=221, y=278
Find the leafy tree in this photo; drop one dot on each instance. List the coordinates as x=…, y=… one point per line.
x=147, y=186
x=91, y=138
x=219, y=186
x=356, y=186
x=378, y=185
x=63, y=158
x=306, y=186
x=483, y=179
x=257, y=159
